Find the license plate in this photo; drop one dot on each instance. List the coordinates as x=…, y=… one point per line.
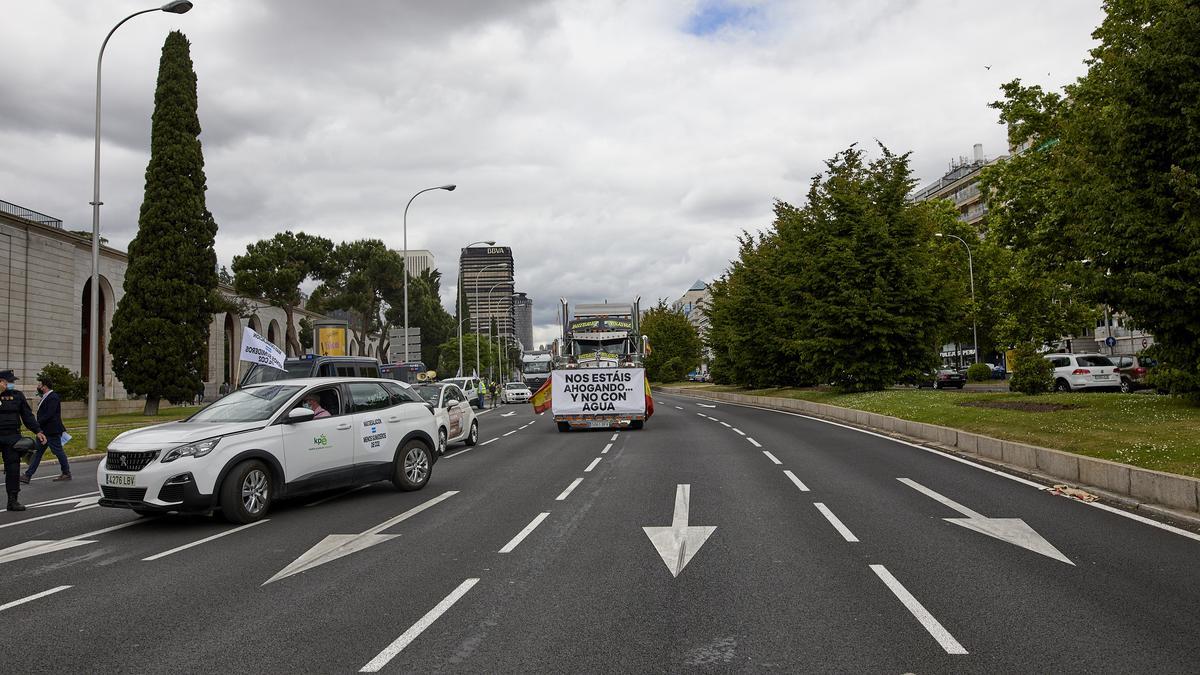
x=1103, y=377
x=599, y=424
x=118, y=479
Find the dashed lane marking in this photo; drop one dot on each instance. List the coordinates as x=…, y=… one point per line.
x=205, y=540
x=614, y=437
x=771, y=457
x=606, y=449
x=417, y=628
x=512, y=544
x=490, y=440
x=592, y=465
x=802, y=486
x=510, y=433
x=35, y=596
x=739, y=431
x=837, y=524
x=574, y=484
x=935, y=628
x=754, y=442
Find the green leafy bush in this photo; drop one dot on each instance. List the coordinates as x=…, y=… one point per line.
x=978, y=372
x=70, y=386
x=1032, y=374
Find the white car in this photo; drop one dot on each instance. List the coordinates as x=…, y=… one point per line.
x=1083, y=371
x=267, y=441
x=469, y=386
x=516, y=392
x=455, y=418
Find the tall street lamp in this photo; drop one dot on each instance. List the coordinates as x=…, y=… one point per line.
x=478, y=272
x=974, y=307
x=459, y=300
x=173, y=7
x=447, y=188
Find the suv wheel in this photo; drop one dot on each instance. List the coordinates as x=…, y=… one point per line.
x=1126, y=385
x=1062, y=385
x=410, y=470
x=473, y=434
x=442, y=442
x=246, y=493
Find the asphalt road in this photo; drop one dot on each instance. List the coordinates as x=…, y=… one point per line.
x=822, y=560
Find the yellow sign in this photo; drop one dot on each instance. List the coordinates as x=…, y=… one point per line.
x=331, y=340
x=1010, y=360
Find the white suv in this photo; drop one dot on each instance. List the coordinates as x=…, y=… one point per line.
x=273, y=440
x=1083, y=371
x=469, y=386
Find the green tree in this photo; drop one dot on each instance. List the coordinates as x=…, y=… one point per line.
x=425, y=311
x=358, y=278
x=447, y=366
x=675, y=348
x=306, y=334
x=160, y=327
x=1111, y=177
x=273, y=269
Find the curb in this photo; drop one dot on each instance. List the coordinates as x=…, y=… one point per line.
x=1163, y=496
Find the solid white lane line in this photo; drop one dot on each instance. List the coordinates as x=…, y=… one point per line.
x=64, y=499
x=754, y=442
x=510, y=433
x=574, y=484
x=802, y=486
x=417, y=628
x=1144, y=519
x=49, y=515
x=333, y=497
x=490, y=440
x=35, y=596
x=727, y=425
x=771, y=457
x=592, y=465
x=205, y=540
x=712, y=418
x=512, y=544
x=739, y=431
x=943, y=636
x=606, y=449
x=837, y=524
x=614, y=437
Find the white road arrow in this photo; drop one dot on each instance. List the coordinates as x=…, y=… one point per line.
x=1011, y=530
x=678, y=543
x=337, y=546
x=34, y=547
x=77, y=500
x=509, y=414
x=705, y=405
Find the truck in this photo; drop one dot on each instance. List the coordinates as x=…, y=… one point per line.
x=597, y=378
x=535, y=368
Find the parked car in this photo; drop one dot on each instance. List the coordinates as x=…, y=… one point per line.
x=1133, y=370
x=268, y=441
x=1083, y=371
x=942, y=378
x=998, y=372
x=470, y=386
x=516, y=392
x=456, y=419
x=312, y=365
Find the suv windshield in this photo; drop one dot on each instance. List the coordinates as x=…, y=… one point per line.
x=428, y=392
x=293, y=369
x=253, y=404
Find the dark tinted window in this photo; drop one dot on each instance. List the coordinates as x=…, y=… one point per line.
x=327, y=370
x=369, y=396
x=345, y=371
x=402, y=394
x=1094, y=361
x=368, y=371
x=1146, y=362
x=1060, y=361
x=259, y=374
x=1124, y=361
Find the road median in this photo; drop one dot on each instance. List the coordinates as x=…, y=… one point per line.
x=1168, y=495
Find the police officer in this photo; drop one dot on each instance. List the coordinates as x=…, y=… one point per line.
x=14, y=410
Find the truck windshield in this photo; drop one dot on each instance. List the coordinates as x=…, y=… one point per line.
x=616, y=347
x=537, y=367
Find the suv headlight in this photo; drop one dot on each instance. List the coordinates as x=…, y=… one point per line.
x=197, y=449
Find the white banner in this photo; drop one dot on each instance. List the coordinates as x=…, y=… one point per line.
x=256, y=349
x=612, y=391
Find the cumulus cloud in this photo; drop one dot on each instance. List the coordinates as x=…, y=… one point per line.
x=618, y=147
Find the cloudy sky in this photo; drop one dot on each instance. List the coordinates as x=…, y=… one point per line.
x=617, y=145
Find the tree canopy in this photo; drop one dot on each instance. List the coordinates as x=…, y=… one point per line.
x=273, y=269
x=675, y=348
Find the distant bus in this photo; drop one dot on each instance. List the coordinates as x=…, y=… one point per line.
x=405, y=372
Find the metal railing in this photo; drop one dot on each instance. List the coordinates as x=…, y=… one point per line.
x=28, y=214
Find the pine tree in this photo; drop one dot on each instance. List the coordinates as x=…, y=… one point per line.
x=160, y=328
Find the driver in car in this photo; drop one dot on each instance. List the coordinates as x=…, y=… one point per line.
x=313, y=403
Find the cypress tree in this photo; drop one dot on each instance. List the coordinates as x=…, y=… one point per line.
x=160, y=328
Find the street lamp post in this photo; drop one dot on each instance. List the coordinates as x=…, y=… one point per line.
x=458, y=300
x=480, y=271
x=447, y=188
x=500, y=342
x=974, y=307
x=94, y=328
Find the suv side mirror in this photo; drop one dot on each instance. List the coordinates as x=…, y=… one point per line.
x=299, y=415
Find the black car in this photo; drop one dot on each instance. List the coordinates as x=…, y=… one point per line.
x=942, y=378
x=312, y=365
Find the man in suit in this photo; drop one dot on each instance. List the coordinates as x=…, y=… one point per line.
x=14, y=411
x=49, y=417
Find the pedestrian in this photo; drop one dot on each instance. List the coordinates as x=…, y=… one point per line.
x=479, y=386
x=14, y=411
x=224, y=388
x=49, y=417
x=494, y=390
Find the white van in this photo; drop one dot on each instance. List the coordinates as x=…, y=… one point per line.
x=268, y=441
x=471, y=386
